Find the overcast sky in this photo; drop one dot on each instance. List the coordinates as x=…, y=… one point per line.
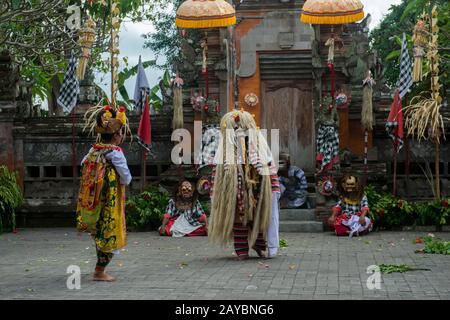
x=131, y=42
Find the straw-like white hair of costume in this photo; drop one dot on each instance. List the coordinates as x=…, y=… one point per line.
x=224, y=199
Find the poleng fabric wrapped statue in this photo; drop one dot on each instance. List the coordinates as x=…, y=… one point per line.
x=327, y=135
x=244, y=182
x=104, y=175
x=349, y=215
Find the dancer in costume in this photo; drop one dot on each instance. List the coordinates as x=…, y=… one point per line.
x=349, y=216
x=184, y=215
x=241, y=208
x=101, y=200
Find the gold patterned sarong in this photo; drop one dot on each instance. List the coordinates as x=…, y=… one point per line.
x=101, y=203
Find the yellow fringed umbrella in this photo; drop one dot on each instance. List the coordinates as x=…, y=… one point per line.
x=203, y=14
x=332, y=11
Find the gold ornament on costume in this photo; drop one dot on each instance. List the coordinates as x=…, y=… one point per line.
x=86, y=40
x=203, y=14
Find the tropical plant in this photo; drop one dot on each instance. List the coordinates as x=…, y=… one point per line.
x=146, y=210
x=10, y=197
x=387, y=211
x=435, y=245
x=34, y=32
x=167, y=39
x=386, y=39
x=433, y=213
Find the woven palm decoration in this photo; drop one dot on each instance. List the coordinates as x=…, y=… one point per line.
x=203, y=14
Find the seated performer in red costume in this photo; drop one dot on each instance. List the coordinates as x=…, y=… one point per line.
x=184, y=215
x=349, y=216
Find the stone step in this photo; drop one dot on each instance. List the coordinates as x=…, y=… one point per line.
x=297, y=215
x=301, y=226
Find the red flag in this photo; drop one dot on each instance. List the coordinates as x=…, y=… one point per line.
x=394, y=124
x=145, y=129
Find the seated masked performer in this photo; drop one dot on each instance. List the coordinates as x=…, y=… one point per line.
x=293, y=184
x=241, y=208
x=101, y=200
x=349, y=216
x=184, y=215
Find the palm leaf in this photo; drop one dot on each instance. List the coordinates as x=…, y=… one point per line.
x=393, y=54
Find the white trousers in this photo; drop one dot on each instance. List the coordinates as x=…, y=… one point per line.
x=273, y=234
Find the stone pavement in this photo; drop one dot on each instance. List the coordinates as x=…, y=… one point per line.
x=33, y=265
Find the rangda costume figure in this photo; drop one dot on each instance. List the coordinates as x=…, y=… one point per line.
x=184, y=214
x=244, y=182
x=104, y=175
x=349, y=216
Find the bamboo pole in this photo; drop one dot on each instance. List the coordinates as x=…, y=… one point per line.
x=436, y=166
x=394, y=184
x=143, y=169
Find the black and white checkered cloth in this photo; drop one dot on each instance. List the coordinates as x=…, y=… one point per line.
x=210, y=143
x=192, y=215
x=70, y=88
x=327, y=144
x=405, y=79
x=350, y=209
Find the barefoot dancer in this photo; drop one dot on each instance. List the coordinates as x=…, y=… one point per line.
x=101, y=200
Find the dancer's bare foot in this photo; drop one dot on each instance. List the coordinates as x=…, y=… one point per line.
x=241, y=258
x=103, y=276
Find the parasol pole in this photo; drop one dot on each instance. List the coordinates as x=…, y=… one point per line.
x=331, y=66
x=407, y=155
x=113, y=99
x=366, y=139
x=394, y=184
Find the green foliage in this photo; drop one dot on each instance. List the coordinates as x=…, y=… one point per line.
x=391, y=268
x=167, y=41
x=387, y=211
x=386, y=39
x=435, y=245
x=10, y=197
x=40, y=43
x=283, y=243
x=146, y=209
x=124, y=75
x=433, y=213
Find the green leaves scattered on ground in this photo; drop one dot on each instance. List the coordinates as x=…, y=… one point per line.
x=283, y=243
x=399, y=268
x=435, y=245
x=391, y=268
